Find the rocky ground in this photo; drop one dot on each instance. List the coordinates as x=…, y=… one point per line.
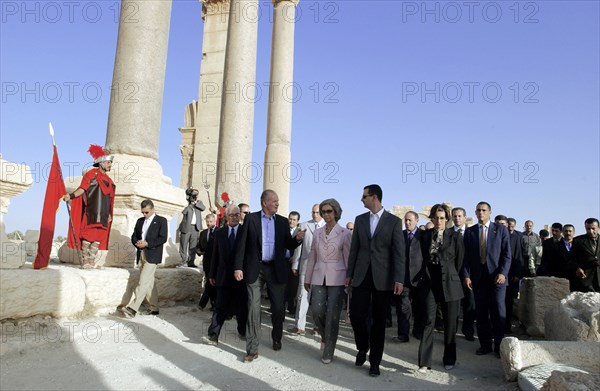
x=165, y=352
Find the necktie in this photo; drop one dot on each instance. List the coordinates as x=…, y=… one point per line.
x=231, y=238
x=410, y=238
x=482, y=244
x=316, y=226
x=568, y=245
x=594, y=245
x=460, y=231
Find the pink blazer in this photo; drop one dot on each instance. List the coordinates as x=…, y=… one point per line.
x=328, y=258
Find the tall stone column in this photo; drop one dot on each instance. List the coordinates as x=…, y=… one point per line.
x=234, y=168
x=276, y=173
x=215, y=14
x=134, y=126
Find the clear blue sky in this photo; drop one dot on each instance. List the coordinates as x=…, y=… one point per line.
x=435, y=101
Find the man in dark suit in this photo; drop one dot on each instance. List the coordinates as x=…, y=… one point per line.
x=485, y=270
x=585, y=256
x=149, y=236
x=376, y=267
x=459, y=219
x=205, y=247
x=552, y=264
x=414, y=260
x=232, y=296
x=515, y=272
x=190, y=227
x=260, y=260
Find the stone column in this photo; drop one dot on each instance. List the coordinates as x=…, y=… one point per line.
x=14, y=180
x=188, y=135
x=134, y=127
x=234, y=166
x=276, y=174
x=215, y=14
x=138, y=78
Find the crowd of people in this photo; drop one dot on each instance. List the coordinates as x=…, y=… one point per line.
x=366, y=267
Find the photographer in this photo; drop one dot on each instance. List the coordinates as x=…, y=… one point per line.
x=190, y=227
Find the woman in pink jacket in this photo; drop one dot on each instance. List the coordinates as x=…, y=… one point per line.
x=326, y=274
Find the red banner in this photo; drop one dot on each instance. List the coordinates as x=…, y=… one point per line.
x=54, y=194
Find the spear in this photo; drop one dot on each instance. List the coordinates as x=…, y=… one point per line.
x=51, y=128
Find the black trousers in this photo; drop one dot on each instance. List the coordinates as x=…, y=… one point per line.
x=209, y=294
x=432, y=291
x=468, y=306
x=512, y=291
x=403, y=311
x=368, y=302
x=230, y=299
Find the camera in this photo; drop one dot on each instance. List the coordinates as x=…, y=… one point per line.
x=192, y=194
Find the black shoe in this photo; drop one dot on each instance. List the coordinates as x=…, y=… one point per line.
x=276, y=345
x=210, y=340
x=401, y=338
x=361, y=357
x=388, y=323
x=374, y=371
x=482, y=351
x=470, y=338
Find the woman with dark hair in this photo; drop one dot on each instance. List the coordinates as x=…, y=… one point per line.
x=326, y=273
x=440, y=284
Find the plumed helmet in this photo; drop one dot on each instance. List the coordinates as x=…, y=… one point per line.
x=99, y=154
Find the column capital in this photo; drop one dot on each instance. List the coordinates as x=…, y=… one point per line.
x=211, y=7
x=295, y=2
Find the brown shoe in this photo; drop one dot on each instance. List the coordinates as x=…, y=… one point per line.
x=251, y=357
x=296, y=330
x=128, y=312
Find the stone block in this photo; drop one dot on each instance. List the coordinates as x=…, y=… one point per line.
x=68, y=291
x=538, y=295
x=12, y=256
x=54, y=291
x=518, y=355
x=534, y=378
x=32, y=237
x=572, y=381
x=574, y=318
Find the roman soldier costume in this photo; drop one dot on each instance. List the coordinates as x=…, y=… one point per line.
x=92, y=212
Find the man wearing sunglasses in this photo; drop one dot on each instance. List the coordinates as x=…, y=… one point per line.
x=376, y=267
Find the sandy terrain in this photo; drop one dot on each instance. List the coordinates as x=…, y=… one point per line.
x=165, y=352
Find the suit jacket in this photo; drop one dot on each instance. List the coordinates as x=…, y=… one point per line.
x=450, y=256
x=249, y=253
x=156, y=238
x=207, y=249
x=414, y=258
x=498, y=252
x=186, y=222
x=384, y=252
x=582, y=256
x=516, y=264
x=554, y=261
x=300, y=258
x=223, y=257
x=203, y=240
x=328, y=258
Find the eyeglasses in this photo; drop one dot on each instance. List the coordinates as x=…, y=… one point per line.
x=366, y=195
x=246, y=212
x=326, y=211
x=233, y=215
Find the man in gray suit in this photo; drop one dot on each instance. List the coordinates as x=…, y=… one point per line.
x=299, y=261
x=376, y=267
x=190, y=227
